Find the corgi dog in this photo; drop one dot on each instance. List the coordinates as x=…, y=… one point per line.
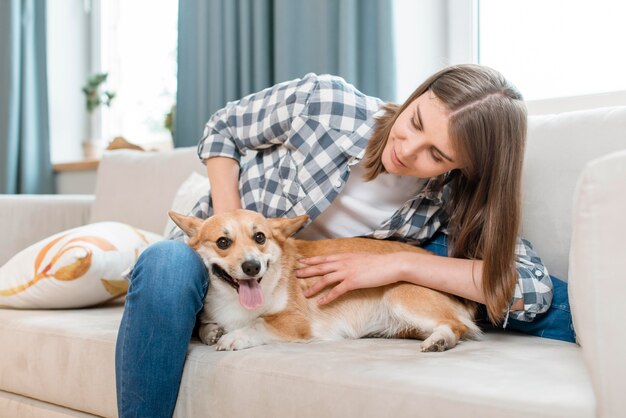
x=254, y=297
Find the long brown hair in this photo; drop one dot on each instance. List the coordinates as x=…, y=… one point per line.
x=487, y=126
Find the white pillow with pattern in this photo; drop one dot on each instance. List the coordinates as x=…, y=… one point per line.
x=77, y=268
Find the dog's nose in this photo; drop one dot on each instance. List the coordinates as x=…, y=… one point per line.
x=251, y=267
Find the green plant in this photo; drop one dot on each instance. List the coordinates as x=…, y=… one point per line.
x=170, y=119
x=92, y=94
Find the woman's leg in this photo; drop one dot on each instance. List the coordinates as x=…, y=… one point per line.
x=166, y=293
x=555, y=323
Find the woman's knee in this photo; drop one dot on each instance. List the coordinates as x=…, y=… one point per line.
x=171, y=268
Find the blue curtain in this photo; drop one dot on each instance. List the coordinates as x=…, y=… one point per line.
x=25, y=165
x=230, y=48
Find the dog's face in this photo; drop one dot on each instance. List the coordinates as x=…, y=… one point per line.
x=239, y=248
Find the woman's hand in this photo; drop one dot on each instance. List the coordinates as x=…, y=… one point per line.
x=349, y=271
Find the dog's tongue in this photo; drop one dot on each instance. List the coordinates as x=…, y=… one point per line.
x=250, y=294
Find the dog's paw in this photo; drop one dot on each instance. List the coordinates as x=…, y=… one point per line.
x=433, y=345
x=210, y=333
x=238, y=340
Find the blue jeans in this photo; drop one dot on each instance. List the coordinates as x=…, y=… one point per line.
x=555, y=323
x=167, y=290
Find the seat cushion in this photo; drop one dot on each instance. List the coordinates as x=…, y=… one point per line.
x=17, y=406
x=63, y=357
x=67, y=358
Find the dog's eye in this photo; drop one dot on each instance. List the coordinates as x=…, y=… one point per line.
x=223, y=243
x=259, y=237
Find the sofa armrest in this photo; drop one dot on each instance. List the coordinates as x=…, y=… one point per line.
x=597, y=286
x=26, y=219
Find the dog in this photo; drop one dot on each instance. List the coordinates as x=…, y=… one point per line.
x=254, y=297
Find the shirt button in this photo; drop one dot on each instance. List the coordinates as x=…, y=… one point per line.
x=538, y=273
x=338, y=184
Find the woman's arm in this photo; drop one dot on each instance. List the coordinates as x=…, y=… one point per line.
x=355, y=270
x=224, y=178
x=456, y=276
x=257, y=121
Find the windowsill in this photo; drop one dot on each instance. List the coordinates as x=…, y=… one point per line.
x=78, y=165
x=91, y=164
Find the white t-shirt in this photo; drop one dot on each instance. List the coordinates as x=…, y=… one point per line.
x=362, y=206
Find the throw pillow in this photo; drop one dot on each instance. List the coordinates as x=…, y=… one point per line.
x=80, y=267
x=187, y=195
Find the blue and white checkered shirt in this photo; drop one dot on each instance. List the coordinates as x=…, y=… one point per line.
x=306, y=134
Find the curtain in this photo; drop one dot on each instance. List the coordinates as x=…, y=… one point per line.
x=230, y=48
x=25, y=165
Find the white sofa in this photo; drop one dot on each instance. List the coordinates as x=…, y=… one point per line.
x=61, y=363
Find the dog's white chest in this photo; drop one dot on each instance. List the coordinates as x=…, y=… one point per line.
x=222, y=306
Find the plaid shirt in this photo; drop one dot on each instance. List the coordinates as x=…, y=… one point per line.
x=306, y=134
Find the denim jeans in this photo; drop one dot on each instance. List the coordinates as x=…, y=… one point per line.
x=167, y=290
x=555, y=323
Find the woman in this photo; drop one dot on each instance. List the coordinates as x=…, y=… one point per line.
x=446, y=165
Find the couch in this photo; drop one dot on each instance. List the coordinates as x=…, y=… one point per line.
x=60, y=363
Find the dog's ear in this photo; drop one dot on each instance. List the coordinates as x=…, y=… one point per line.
x=286, y=227
x=189, y=224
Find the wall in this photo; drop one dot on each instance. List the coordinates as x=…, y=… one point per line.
x=569, y=104
x=68, y=45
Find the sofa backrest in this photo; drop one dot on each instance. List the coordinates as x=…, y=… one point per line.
x=558, y=148
x=138, y=187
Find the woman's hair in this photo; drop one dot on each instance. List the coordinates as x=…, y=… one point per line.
x=487, y=127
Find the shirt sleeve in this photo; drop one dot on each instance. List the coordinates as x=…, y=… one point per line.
x=534, y=285
x=202, y=210
x=257, y=121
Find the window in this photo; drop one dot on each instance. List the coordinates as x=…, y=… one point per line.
x=555, y=48
x=135, y=42
x=138, y=45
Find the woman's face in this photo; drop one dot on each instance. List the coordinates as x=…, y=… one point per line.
x=419, y=144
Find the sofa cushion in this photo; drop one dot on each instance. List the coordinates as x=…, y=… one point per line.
x=64, y=357
x=137, y=187
x=80, y=267
x=597, y=286
x=558, y=148
x=503, y=375
x=187, y=195
x=13, y=405
x=25, y=219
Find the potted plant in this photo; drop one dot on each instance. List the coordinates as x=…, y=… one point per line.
x=169, y=122
x=94, y=98
x=92, y=92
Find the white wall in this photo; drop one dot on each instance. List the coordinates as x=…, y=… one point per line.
x=569, y=104
x=67, y=41
x=421, y=35
x=430, y=35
